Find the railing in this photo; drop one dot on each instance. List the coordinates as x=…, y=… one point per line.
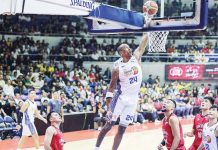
x=163, y=57
x=124, y=36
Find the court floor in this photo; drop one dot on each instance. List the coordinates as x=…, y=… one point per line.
x=138, y=137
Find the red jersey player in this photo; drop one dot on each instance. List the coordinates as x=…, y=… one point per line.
x=53, y=136
x=172, y=129
x=199, y=121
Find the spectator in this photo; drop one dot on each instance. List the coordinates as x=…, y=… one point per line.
x=181, y=106
x=149, y=111
x=43, y=108
x=8, y=88
x=17, y=98
x=201, y=90
x=195, y=92
x=10, y=108
x=107, y=74
x=139, y=112
x=46, y=88
x=150, y=80
x=2, y=103
x=68, y=89
x=70, y=107
x=55, y=104
x=2, y=81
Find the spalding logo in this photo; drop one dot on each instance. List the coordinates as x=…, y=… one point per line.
x=176, y=71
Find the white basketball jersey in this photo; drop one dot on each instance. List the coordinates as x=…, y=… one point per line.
x=209, y=139
x=28, y=115
x=130, y=76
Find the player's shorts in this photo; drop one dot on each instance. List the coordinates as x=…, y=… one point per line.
x=29, y=129
x=124, y=110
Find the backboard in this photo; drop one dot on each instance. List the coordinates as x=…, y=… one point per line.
x=127, y=17
x=113, y=16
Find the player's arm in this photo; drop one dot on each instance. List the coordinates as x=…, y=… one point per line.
x=141, y=49
x=24, y=107
x=48, y=137
x=22, y=110
x=113, y=82
x=39, y=116
x=174, y=124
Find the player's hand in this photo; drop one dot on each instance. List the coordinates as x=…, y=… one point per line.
x=18, y=127
x=160, y=147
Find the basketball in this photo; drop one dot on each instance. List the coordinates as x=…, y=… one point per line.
x=150, y=7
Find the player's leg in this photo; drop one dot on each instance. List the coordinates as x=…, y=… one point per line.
x=119, y=136
x=34, y=134
x=126, y=118
x=36, y=140
x=118, y=107
x=25, y=133
x=103, y=132
x=22, y=141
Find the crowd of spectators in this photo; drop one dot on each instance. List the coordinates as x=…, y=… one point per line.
x=80, y=89
x=42, y=24
x=23, y=50
x=75, y=87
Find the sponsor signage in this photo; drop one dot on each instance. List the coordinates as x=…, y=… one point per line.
x=191, y=72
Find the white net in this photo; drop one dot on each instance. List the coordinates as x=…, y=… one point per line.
x=157, y=41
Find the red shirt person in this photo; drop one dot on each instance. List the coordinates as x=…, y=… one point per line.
x=172, y=129
x=199, y=122
x=53, y=137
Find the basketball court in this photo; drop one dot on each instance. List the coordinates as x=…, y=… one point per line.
x=138, y=137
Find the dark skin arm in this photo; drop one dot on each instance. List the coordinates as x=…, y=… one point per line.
x=142, y=47
x=113, y=82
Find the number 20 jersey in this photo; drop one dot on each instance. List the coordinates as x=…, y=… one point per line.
x=130, y=77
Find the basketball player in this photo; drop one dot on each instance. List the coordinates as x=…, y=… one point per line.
x=172, y=129
x=53, y=137
x=29, y=109
x=210, y=131
x=199, y=121
x=127, y=78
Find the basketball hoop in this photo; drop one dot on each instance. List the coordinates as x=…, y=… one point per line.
x=157, y=41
